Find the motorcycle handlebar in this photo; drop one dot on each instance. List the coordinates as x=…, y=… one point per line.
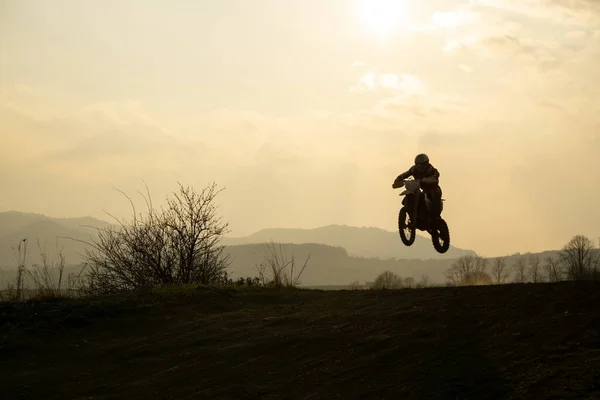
x=400, y=183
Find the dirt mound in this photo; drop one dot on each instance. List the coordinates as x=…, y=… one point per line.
x=508, y=341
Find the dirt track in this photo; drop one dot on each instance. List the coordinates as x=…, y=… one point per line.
x=511, y=341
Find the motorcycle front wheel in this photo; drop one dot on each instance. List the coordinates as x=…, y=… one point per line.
x=406, y=229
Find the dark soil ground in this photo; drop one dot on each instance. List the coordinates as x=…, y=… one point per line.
x=531, y=341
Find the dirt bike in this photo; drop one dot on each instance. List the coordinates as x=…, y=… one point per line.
x=415, y=214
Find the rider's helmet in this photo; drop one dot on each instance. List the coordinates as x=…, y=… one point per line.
x=421, y=161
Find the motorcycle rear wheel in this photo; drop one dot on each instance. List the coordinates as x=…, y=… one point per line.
x=441, y=237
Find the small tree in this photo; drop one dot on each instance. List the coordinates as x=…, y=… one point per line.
x=580, y=259
x=534, y=268
x=553, y=270
x=500, y=272
x=467, y=271
x=387, y=280
x=520, y=268
x=178, y=244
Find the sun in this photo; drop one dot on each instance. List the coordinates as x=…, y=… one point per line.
x=382, y=17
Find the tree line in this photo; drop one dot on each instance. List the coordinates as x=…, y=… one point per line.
x=579, y=259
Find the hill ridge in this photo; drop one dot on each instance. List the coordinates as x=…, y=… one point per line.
x=370, y=242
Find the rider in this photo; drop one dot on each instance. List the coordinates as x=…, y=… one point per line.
x=428, y=176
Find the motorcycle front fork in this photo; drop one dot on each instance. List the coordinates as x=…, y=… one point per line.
x=414, y=216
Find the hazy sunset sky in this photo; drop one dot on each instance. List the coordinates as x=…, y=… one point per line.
x=306, y=111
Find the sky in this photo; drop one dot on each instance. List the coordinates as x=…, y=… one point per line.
x=305, y=112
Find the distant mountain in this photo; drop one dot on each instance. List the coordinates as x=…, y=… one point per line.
x=11, y=221
x=338, y=254
x=52, y=233
x=360, y=242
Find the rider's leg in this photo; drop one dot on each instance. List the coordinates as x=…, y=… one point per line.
x=435, y=198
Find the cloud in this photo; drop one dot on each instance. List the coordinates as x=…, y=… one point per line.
x=577, y=11
x=465, y=68
x=417, y=112
x=119, y=112
x=536, y=52
x=512, y=45
x=455, y=19
x=575, y=34
x=546, y=103
x=366, y=82
x=460, y=43
x=504, y=45
x=407, y=84
x=563, y=12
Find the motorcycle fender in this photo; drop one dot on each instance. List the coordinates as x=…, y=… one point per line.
x=404, y=192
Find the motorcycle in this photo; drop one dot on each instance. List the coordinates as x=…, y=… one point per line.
x=415, y=214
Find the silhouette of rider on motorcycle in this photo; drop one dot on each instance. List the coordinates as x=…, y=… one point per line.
x=428, y=177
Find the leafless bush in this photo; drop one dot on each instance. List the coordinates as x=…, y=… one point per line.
x=468, y=271
x=423, y=282
x=408, y=282
x=356, y=285
x=387, y=280
x=45, y=280
x=15, y=291
x=178, y=244
x=278, y=270
x=500, y=272
x=580, y=259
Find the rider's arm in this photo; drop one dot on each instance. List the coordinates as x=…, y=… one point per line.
x=433, y=176
x=401, y=177
x=405, y=175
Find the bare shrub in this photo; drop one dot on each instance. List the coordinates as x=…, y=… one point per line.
x=468, y=271
x=49, y=277
x=278, y=270
x=356, y=285
x=387, y=280
x=45, y=280
x=500, y=271
x=244, y=281
x=15, y=291
x=423, y=281
x=179, y=244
